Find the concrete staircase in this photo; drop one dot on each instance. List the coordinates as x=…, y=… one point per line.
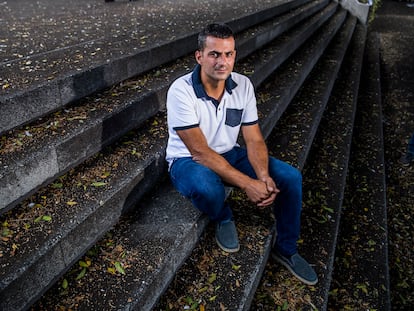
x=85, y=201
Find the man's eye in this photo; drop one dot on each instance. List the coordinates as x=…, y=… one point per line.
x=215, y=55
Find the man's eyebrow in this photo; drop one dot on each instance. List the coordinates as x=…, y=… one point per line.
x=225, y=52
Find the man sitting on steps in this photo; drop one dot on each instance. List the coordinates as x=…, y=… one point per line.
x=206, y=109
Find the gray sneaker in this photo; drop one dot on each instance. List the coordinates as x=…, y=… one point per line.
x=226, y=237
x=298, y=266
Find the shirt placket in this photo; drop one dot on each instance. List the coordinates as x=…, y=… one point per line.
x=221, y=111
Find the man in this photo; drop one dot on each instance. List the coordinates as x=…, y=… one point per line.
x=206, y=110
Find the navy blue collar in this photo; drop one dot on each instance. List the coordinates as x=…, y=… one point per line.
x=199, y=88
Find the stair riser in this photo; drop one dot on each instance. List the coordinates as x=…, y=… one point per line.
x=26, y=177
x=54, y=95
x=25, y=180
x=21, y=288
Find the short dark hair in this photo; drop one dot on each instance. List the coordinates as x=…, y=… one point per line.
x=216, y=30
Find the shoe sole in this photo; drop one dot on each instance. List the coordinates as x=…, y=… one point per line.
x=285, y=264
x=228, y=250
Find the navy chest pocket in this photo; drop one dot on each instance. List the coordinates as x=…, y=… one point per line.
x=233, y=116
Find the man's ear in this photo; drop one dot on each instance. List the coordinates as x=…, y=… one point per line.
x=197, y=55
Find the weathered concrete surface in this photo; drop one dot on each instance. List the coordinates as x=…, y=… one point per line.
x=55, y=52
x=75, y=146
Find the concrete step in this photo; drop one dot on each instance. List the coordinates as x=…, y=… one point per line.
x=141, y=289
x=324, y=178
x=51, y=85
x=326, y=170
x=323, y=154
x=295, y=125
x=74, y=203
x=361, y=272
x=35, y=155
x=220, y=265
x=81, y=207
x=294, y=73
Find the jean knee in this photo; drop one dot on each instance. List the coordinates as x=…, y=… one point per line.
x=284, y=174
x=294, y=176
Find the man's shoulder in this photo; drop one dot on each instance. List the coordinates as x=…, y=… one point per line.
x=184, y=79
x=240, y=78
x=181, y=85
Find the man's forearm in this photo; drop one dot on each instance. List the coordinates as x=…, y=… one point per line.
x=221, y=167
x=259, y=158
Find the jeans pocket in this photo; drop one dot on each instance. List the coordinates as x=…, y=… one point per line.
x=233, y=116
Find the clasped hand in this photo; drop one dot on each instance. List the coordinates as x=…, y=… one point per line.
x=262, y=192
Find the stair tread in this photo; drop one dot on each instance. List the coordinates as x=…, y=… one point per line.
x=294, y=73
x=12, y=272
x=296, y=131
x=82, y=206
x=323, y=180
x=53, y=90
x=69, y=137
x=327, y=167
x=254, y=274
x=364, y=219
x=251, y=272
x=165, y=234
x=208, y=245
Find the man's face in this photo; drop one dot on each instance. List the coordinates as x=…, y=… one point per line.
x=217, y=58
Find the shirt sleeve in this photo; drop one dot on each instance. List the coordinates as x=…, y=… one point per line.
x=181, y=113
x=250, y=115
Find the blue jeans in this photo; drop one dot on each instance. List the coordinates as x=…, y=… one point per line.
x=206, y=191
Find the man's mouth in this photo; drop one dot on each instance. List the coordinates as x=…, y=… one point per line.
x=221, y=69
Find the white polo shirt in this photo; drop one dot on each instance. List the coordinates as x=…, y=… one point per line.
x=188, y=106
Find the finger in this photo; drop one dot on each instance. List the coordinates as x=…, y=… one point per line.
x=268, y=200
x=264, y=204
x=271, y=186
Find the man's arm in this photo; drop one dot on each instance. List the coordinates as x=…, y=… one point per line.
x=196, y=143
x=259, y=158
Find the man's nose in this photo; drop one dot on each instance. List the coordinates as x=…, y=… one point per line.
x=222, y=58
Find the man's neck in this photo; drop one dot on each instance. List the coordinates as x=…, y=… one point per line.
x=214, y=89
